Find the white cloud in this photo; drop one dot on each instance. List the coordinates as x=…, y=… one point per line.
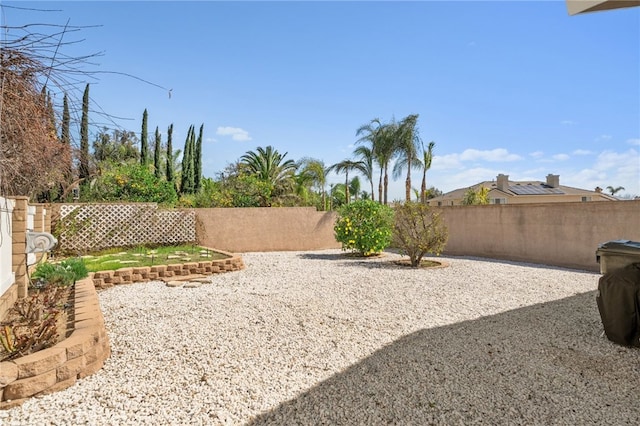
x=603, y=138
x=462, y=179
x=236, y=133
x=537, y=154
x=444, y=162
x=610, y=169
x=582, y=152
x=455, y=161
x=635, y=141
x=494, y=155
x=560, y=157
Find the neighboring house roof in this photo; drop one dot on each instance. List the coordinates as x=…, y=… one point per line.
x=502, y=187
x=581, y=6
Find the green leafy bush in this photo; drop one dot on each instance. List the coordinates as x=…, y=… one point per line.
x=130, y=182
x=62, y=274
x=364, y=226
x=418, y=230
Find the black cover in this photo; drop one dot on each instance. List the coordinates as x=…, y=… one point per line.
x=619, y=305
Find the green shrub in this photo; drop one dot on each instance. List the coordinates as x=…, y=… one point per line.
x=130, y=182
x=364, y=226
x=63, y=274
x=418, y=230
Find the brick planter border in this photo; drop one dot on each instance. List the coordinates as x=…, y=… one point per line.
x=129, y=275
x=83, y=353
x=49, y=370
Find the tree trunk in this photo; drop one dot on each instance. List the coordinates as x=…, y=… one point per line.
x=386, y=185
x=380, y=186
x=407, y=183
x=423, y=189
x=373, y=198
x=346, y=188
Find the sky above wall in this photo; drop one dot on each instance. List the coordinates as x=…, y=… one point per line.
x=512, y=87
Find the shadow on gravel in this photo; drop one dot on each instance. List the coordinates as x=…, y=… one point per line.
x=522, y=263
x=322, y=256
x=543, y=364
x=350, y=260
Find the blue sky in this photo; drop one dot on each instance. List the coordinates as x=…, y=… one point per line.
x=519, y=88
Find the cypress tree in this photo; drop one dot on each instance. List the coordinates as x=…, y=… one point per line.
x=197, y=162
x=186, y=186
x=144, y=146
x=169, y=165
x=192, y=151
x=157, y=152
x=65, y=138
x=83, y=172
x=47, y=103
x=51, y=114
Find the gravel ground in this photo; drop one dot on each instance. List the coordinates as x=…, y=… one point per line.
x=321, y=338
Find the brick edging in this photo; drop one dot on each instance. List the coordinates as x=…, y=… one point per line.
x=83, y=353
x=129, y=275
x=58, y=367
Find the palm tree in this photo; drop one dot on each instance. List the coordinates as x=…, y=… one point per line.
x=317, y=170
x=354, y=187
x=613, y=190
x=303, y=182
x=416, y=193
x=337, y=195
x=385, y=150
x=366, y=156
x=406, y=144
x=371, y=133
x=345, y=166
x=427, y=158
x=268, y=165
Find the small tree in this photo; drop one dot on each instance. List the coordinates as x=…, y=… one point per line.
x=418, y=230
x=157, y=155
x=197, y=162
x=187, y=184
x=169, y=162
x=474, y=197
x=144, y=143
x=364, y=226
x=615, y=190
x=83, y=172
x=65, y=137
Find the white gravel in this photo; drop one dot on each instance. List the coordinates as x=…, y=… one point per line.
x=319, y=338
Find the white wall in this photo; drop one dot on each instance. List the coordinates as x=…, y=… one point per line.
x=7, y=277
x=31, y=214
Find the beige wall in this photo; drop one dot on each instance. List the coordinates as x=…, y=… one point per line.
x=525, y=199
x=265, y=229
x=561, y=234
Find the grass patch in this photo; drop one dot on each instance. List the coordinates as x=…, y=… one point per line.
x=112, y=259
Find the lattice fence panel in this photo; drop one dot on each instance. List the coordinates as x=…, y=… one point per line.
x=90, y=227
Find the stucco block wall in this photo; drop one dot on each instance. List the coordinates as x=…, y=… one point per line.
x=265, y=229
x=561, y=234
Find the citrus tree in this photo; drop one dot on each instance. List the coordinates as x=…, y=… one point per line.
x=364, y=226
